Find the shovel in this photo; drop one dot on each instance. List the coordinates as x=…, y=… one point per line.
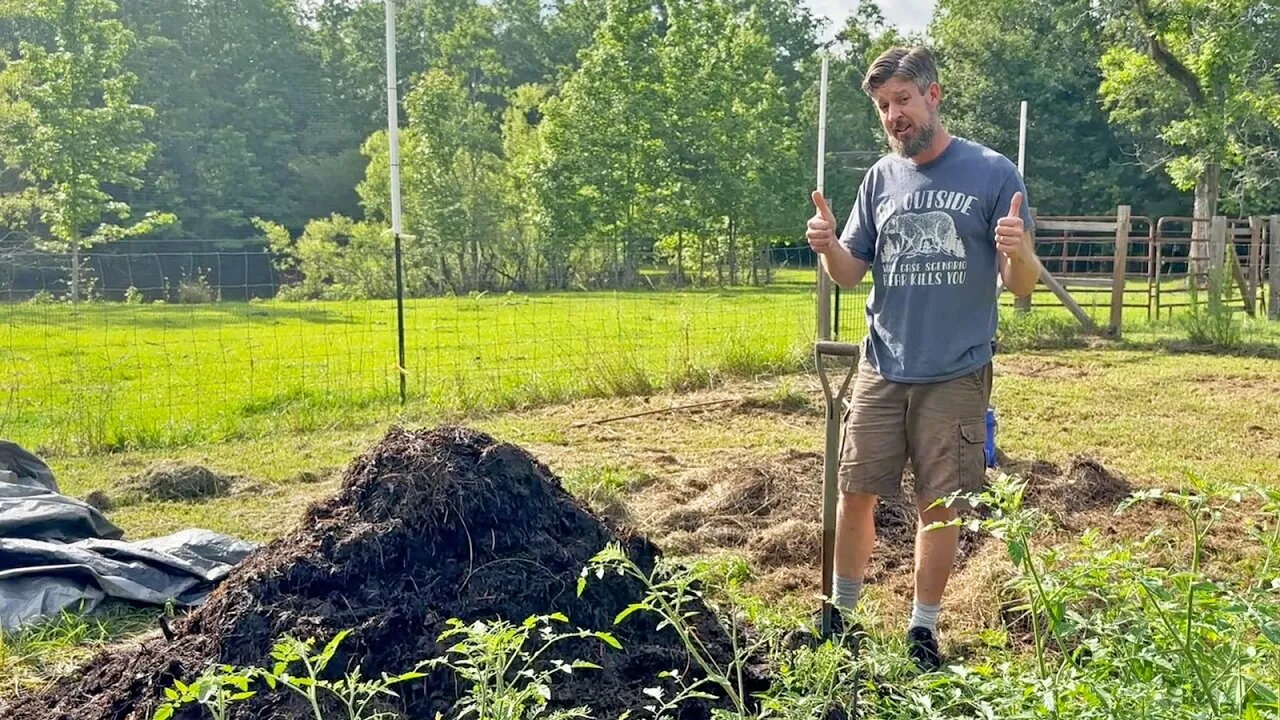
x=831, y=460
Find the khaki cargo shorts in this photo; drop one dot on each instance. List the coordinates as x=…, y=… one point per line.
x=940, y=428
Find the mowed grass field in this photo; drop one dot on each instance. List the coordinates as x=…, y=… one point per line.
x=108, y=377
x=105, y=377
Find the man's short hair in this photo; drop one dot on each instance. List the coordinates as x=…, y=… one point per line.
x=914, y=64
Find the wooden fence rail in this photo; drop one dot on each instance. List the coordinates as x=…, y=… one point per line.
x=1152, y=263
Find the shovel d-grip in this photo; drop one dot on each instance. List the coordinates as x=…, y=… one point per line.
x=831, y=459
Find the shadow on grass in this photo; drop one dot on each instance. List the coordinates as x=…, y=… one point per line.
x=1174, y=346
x=178, y=317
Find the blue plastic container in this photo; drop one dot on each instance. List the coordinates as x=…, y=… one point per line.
x=990, y=449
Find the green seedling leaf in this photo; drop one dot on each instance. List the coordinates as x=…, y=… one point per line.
x=633, y=607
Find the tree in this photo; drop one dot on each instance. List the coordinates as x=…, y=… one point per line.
x=1199, y=78
x=732, y=144
x=993, y=54
x=855, y=139
x=68, y=123
x=571, y=26
x=247, y=124
x=451, y=175
x=606, y=160
x=534, y=255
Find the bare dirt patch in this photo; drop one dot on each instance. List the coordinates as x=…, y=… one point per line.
x=1038, y=367
x=1247, y=385
x=170, y=481
x=767, y=509
x=770, y=511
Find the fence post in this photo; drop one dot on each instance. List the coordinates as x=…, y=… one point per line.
x=1256, y=231
x=1023, y=304
x=1273, y=299
x=1118, y=268
x=1246, y=290
x=400, y=370
x=1217, y=255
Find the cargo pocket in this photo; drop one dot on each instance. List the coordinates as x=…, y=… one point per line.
x=973, y=458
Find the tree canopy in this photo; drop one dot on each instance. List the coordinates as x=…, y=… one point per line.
x=575, y=142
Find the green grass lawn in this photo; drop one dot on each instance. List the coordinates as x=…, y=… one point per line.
x=106, y=377
x=112, y=376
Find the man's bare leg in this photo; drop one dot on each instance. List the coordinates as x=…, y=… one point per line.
x=935, y=558
x=855, y=539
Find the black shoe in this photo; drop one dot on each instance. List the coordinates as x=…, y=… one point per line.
x=843, y=631
x=923, y=647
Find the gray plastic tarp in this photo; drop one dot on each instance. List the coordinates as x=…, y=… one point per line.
x=58, y=553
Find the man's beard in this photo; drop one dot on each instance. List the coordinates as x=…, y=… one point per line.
x=918, y=142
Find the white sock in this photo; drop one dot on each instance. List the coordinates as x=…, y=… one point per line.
x=925, y=616
x=847, y=593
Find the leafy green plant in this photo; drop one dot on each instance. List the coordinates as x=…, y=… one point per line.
x=669, y=591
x=1114, y=634
x=507, y=680
x=196, y=290
x=809, y=683
x=1213, y=322
x=216, y=690
x=221, y=686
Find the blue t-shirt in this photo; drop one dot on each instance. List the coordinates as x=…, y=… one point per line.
x=928, y=231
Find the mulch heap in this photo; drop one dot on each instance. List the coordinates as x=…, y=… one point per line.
x=428, y=526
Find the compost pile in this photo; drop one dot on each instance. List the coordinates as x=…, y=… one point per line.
x=428, y=525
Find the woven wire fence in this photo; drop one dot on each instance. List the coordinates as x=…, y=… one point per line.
x=201, y=341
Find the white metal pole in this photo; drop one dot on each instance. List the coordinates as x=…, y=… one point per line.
x=829, y=465
x=822, y=125
x=1022, y=141
x=824, y=282
x=1021, y=304
x=393, y=119
x=393, y=141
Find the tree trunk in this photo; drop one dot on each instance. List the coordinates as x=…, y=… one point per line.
x=462, y=268
x=75, y=271
x=733, y=254
x=1206, y=206
x=680, y=259
x=476, y=274
x=702, y=259
x=446, y=278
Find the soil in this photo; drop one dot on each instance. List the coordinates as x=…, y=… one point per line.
x=427, y=526
x=99, y=500
x=1071, y=496
x=1040, y=368
x=770, y=511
